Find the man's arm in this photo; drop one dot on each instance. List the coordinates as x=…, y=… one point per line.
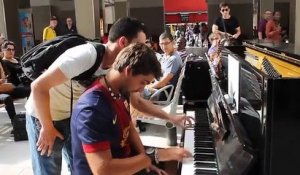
x=101, y=162
x=260, y=30
x=135, y=140
x=41, y=99
x=148, y=108
x=162, y=82
x=260, y=35
x=45, y=31
x=215, y=29
x=238, y=32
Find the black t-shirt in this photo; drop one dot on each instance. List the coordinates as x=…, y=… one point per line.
x=72, y=30
x=13, y=70
x=231, y=24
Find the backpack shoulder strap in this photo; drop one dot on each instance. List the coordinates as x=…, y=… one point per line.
x=100, y=49
x=86, y=78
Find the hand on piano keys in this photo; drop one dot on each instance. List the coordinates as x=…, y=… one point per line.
x=169, y=154
x=199, y=142
x=182, y=120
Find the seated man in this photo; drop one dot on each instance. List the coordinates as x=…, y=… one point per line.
x=104, y=140
x=171, y=64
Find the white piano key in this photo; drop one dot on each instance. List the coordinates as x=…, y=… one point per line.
x=188, y=163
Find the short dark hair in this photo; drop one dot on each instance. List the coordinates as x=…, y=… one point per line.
x=166, y=35
x=140, y=58
x=127, y=27
x=277, y=11
x=223, y=4
x=52, y=18
x=7, y=43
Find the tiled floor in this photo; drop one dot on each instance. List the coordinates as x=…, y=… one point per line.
x=14, y=156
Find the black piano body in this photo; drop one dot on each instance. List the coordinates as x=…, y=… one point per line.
x=269, y=115
x=271, y=110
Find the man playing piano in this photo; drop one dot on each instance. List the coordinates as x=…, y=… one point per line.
x=104, y=139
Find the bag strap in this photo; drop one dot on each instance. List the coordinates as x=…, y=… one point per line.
x=224, y=27
x=84, y=78
x=100, y=49
x=71, y=103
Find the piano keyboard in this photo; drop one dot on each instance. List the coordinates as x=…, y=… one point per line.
x=199, y=141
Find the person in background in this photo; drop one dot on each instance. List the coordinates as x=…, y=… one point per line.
x=214, y=53
x=14, y=72
x=171, y=65
x=214, y=39
x=103, y=137
x=105, y=38
x=49, y=32
x=273, y=28
x=69, y=28
x=180, y=45
x=232, y=27
x=5, y=97
x=262, y=24
x=203, y=33
x=150, y=44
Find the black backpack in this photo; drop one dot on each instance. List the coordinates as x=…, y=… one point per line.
x=39, y=58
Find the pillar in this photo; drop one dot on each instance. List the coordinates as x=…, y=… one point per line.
x=87, y=14
x=297, y=27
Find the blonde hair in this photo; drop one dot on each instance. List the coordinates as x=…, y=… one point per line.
x=212, y=36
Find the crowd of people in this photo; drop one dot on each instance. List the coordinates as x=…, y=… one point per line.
x=269, y=27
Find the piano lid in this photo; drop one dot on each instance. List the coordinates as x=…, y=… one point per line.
x=284, y=49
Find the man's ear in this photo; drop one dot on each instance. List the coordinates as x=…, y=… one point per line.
x=122, y=42
x=128, y=71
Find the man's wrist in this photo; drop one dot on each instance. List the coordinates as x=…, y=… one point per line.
x=153, y=154
x=156, y=156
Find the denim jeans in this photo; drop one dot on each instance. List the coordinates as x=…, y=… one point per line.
x=44, y=165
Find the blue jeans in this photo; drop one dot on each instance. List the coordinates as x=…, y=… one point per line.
x=44, y=165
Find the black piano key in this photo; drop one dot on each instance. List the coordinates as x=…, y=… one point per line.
x=203, y=138
x=204, y=153
x=205, y=165
x=204, y=157
x=203, y=134
x=205, y=172
x=204, y=150
x=204, y=144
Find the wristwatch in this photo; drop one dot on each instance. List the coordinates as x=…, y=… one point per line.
x=153, y=154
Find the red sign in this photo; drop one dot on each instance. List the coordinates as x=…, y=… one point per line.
x=185, y=11
x=185, y=6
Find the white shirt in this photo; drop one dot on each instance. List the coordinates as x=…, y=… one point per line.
x=73, y=62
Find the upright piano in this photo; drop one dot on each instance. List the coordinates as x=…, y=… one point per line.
x=266, y=131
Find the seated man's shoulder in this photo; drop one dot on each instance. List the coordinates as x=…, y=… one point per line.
x=176, y=56
x=93, y=97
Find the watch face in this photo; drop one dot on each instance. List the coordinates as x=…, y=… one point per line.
x=150, y=150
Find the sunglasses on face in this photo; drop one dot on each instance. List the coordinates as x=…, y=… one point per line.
x=223, y=10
